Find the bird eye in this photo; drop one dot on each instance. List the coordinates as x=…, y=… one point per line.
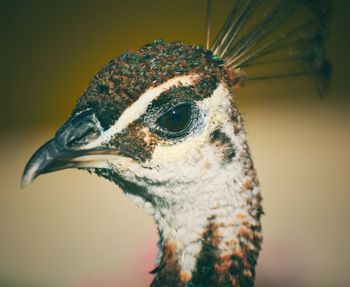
x=177, y=119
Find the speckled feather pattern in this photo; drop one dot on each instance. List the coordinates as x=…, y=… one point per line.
x=192, y=172
x=204, y=188
x=201, y=188
x=125, y=78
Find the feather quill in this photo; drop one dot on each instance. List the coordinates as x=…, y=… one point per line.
x=289, y=34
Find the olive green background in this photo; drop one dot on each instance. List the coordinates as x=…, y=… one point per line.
x=74, y=229
x=50, y=49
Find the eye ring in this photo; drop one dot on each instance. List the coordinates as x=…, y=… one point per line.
x=176, y=120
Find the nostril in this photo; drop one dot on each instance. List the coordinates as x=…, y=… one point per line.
x=79, y=130
x=79, y=137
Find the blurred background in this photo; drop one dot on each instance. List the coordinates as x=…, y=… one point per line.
x=70, y=229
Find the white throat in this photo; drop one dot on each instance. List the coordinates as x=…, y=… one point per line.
x=222, y=198
x=202, y=188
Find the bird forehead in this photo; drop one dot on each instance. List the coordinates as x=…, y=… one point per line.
x=121, y=82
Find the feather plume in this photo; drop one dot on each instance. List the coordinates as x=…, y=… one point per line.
x=285, y=37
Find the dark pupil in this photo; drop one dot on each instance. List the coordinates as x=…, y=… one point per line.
x=176, y=119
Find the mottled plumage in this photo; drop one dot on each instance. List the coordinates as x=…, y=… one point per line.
x=161, y=123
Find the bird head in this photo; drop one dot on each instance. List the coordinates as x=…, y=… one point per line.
x=160, y=116
x=162, y=124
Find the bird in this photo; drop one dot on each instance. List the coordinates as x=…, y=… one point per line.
x=162, y=123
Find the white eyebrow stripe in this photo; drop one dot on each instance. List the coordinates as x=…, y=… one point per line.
x=138, y=108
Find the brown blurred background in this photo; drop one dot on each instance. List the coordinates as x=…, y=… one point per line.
x=73, y=229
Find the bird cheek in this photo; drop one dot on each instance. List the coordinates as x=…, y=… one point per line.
x=136, y=142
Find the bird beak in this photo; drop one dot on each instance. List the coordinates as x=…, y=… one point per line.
x=48, y=158
x=66, y=149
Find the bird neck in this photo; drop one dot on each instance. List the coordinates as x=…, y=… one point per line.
x=217, y=242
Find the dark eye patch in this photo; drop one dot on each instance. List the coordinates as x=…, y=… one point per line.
x=174, y=114
x=177, y=119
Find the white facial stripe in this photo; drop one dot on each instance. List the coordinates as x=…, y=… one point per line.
x=137, y=109
x=211, y=105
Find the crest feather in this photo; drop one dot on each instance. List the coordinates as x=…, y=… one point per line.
x=285, y=37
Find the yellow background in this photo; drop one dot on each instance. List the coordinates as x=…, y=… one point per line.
x=73, y=229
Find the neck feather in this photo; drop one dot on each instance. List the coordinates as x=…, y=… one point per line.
x=212, y=236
